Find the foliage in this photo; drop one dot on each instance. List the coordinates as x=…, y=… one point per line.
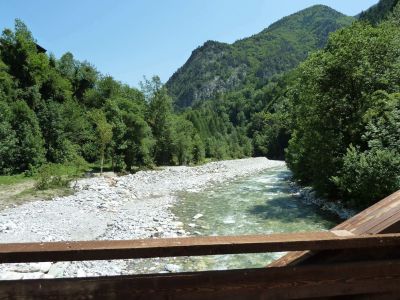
x=346, y=115
x=12, y=179
x=29, y=149
x=366, y=177
x=337, y=113
x=103, y=132
x=58, y=111
x=56, y=175
x=378, y=12
x=216, y=68
x=48, y=176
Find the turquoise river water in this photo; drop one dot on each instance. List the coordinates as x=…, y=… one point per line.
x=260, y=204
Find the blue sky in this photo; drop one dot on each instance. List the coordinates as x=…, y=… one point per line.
x=131, y=38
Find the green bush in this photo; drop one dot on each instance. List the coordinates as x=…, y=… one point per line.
x=369, y=176
x=57, y=175
x=49, y=176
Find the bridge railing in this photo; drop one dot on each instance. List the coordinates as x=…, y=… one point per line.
x=374, y=278
x=191, y=246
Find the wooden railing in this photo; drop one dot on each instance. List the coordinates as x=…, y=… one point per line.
x=192, y=246
x=369, y=278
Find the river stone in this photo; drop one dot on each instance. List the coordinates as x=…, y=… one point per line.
x=172, y=268
x=57, y=270
x=80, y=273
x=34, y=275
x=45, y=267
x=11, y=276
x=177, y=224
x=198, y=216
x=26, y=268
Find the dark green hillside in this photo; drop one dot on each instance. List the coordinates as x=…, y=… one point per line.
x=218, y=68
x=378, y=12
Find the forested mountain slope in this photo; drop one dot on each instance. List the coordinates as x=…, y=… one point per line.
x=378, y=12
x=218, y=67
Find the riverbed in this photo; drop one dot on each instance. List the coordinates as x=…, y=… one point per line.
x=250, y=196
x=260, y=204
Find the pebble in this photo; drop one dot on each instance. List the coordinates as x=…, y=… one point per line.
x=11, y=276
x=80, y=273
x=33, y=275
x=198, y=216
x=56, y=270
x=309, y=197
x=172, y=268
x=45, y=267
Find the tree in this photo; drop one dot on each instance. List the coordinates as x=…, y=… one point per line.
x=183, y=141
x=104, y=133
x=59, y=149
x=18, y=50
x=159, y=118
x=85, y=79
x=332, y=100
x=199, y=151
x=133, y=141
x=8, y=140
x=29, y=150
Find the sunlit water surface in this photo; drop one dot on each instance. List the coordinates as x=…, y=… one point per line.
x=260, y=204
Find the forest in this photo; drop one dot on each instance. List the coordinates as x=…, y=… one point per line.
x=334, y=118
x=63, y=111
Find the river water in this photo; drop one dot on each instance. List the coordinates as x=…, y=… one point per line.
x=260, y=204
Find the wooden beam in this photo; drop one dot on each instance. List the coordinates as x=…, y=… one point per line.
x=301, y=282
x=105, y=250
x=382, y=217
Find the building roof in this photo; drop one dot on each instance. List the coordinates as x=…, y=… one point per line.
x=40, y=49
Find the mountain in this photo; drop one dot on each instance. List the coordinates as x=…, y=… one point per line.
x=378, y=12
x=219, y=67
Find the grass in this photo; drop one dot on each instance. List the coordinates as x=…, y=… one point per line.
x=45, y=183
x=13, y=179
x=63, y=170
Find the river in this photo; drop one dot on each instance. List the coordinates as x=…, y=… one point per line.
x=260, y=204
x=206, y=200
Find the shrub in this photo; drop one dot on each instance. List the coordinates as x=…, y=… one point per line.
x=369, y=176
x=49, y=176
x=58, y=175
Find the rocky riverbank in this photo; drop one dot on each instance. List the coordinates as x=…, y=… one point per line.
x=114, y=208
x=309, y=197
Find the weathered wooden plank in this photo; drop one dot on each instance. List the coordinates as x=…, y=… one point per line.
x=302, y=282
x=104, y=250
x=382, y=217
x=367, y=220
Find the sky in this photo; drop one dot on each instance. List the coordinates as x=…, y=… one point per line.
x=129, y=39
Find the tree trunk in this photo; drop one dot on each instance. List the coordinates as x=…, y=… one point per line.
x=101, y=162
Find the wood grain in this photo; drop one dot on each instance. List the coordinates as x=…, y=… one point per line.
x=350, y=279
x=195, y=246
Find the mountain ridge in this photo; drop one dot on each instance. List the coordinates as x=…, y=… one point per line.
x=217, y=67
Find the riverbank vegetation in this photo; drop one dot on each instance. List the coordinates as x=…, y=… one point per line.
x=345, y=109
x=63, y=111
x=334, y=118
